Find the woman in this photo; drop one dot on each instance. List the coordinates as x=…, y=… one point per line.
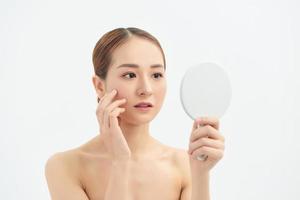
x=124, y=161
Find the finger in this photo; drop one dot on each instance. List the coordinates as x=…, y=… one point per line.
x=212, y=121
x=113, y=117
x=195, y=125
x=213, y=133
x=100, y=100
x=216, y=135
x=103, y=97
x=109, y=109
x=107, y=98
x=198, y=133
x=212, y=153
x=114, y=104
x=205, y=142
x=100, y=108
x=202, y=131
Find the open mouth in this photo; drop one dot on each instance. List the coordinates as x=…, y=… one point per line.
x=143, y=106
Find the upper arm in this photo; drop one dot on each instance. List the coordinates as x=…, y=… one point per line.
x=184, y=167
x=61, y=183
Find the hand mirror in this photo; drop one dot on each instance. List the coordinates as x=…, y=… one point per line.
x=205, y=91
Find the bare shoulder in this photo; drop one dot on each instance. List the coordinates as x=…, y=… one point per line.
x=181, y=160
x=181, y=154
x=63, y=164
x=61, y=172
x=66, y=160
x=69, y=161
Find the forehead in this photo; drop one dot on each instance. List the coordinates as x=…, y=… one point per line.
x=139, y=51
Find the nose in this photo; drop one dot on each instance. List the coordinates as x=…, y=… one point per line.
x=145, y=88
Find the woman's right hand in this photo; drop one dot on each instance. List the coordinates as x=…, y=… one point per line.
x=107, y=114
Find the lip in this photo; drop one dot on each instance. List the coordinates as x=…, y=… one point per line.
x=144, y=105
x=144, y=109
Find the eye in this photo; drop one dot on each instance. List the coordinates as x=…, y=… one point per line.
x=160, y=74
x=132, y=74
x=128, y=74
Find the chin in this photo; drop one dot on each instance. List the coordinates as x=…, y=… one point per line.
x=138, y=119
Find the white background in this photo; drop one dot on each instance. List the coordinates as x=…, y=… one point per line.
x=47, y=101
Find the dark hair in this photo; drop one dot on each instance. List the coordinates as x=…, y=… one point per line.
x=104, y=48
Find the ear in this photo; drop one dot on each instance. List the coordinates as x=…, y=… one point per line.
x=99, y=85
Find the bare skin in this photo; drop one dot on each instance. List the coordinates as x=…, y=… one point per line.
x=161, y=174
x=124, y=161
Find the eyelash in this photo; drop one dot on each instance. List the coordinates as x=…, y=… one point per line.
x=160, y=74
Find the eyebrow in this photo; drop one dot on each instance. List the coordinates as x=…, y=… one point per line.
x=137, y=66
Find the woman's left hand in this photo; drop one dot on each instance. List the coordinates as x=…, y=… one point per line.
x=205, y=140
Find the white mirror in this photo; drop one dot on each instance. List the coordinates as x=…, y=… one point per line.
x=205, y=91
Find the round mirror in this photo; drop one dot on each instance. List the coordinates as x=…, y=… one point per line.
x=205, y=91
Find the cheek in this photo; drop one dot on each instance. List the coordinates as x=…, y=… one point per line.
x=122, y=92
x=160, y=95
x=114, y=83
x=162, y=90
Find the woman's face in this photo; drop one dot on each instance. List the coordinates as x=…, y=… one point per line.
x=138, y=81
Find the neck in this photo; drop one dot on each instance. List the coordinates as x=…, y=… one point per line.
x=138, y=139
